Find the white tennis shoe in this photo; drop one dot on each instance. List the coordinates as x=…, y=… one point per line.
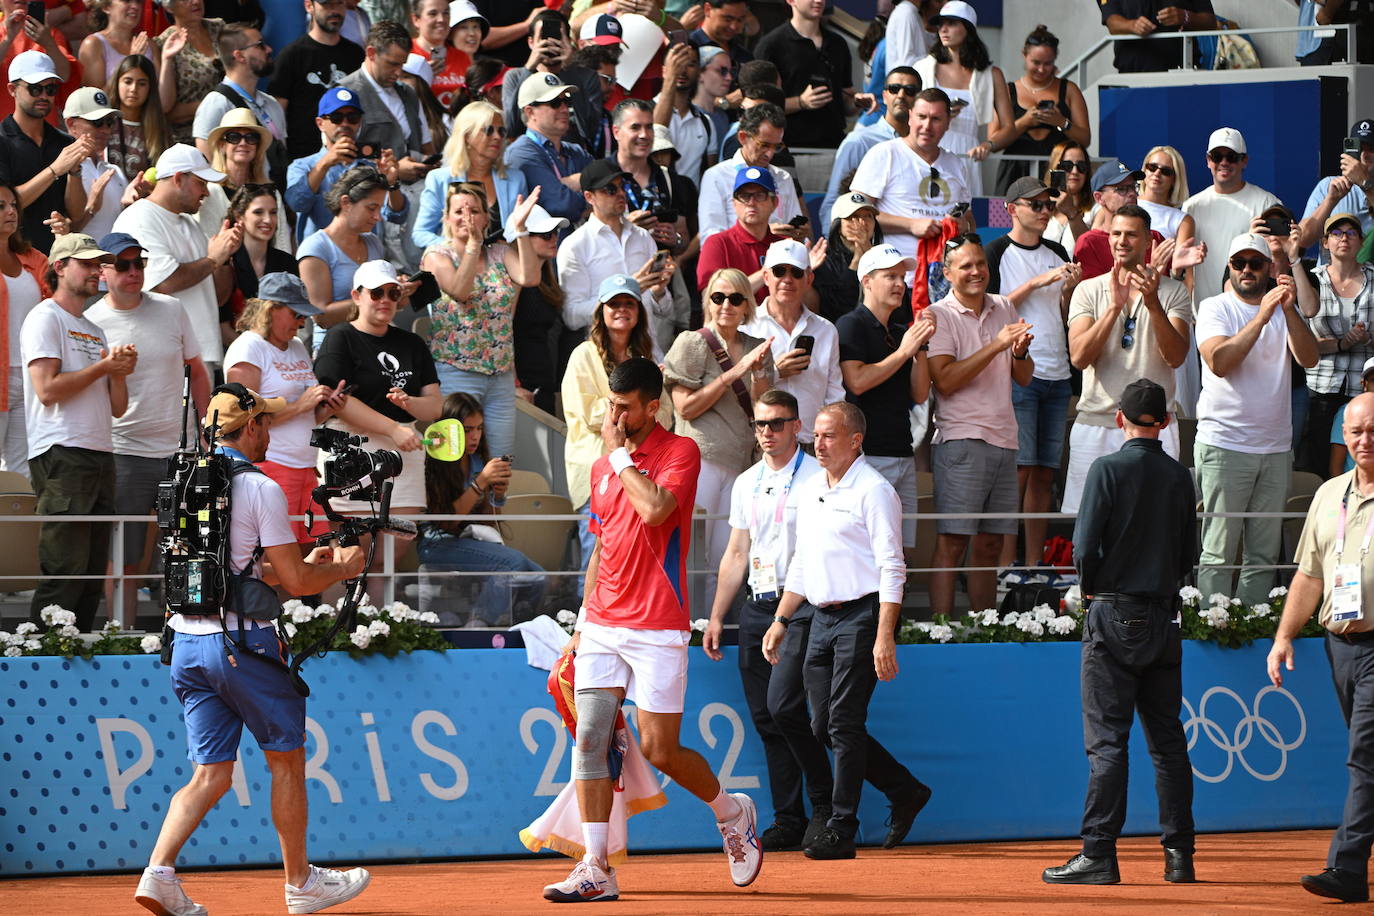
x=741, y=842
x=165, y=897
x=327, y=887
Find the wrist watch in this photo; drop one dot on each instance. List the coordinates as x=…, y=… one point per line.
x=778, y=618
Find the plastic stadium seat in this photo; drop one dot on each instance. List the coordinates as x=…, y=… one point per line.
x=20, y=556
x=544, y=542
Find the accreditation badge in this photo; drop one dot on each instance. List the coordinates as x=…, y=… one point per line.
x=1345, y=594
x=763, y=579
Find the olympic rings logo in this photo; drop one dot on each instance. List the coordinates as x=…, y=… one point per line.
x=1234, y=745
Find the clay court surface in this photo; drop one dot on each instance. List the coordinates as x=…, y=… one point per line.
x=1239, y=873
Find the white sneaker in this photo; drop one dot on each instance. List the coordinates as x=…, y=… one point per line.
x=587, y=882
x=165, y=897
x=742, y=848
x=330, y=886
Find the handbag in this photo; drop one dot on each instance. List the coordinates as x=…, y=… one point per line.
x=726, y=364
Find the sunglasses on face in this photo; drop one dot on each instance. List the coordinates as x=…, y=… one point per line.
x=546, y=236
x=235, y=137
x=352, y=116
x=612, y=188
x=1255, y=264
x=559, y=102
x=788, y=270
x=1128, y=335
x=1074, y=165
x=1166, y=170
x=734, y=299
x=1344, y=234
x=1220, y=156
x=493, y=129
x=773, y=426
x=1036, y=206
x=257, y=44
x=386, y=292
x=48, y=89
x=905, y=89
x=121, y=265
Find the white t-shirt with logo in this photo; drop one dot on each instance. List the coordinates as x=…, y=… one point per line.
x=285, y=374
x=905, y=184
x=161, y=329
x=82, y=420
x=1250, y=409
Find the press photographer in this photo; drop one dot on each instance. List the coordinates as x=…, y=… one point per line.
x=220, y=686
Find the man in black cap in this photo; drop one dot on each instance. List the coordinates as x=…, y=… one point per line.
x=1134, y=545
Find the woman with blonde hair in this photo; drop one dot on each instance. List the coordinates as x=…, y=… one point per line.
x=473, y=153
x=1163, y=191
x=1068, y=219
x=238, y=148
x=714, y=374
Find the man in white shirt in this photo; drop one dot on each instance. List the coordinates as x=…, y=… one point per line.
x=693, y=133
x=914, y=181
x=760, y=136
x=74, y=385
x=88, y=114
x=1224, y=210
x=1132, y=322
x=1244, y=431
x=181, y=261
x=806, y=347
x=907, y=37
x=1038, y=278
x=247, y=59
x=852, y=575
x=145, y=437
x=608, y=244
x=899, y=93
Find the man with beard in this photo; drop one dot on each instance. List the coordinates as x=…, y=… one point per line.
x=39, y=160
x=247, y=58
x=692, y=130
x=1244, y=429
x=307, y=67
x=181, y=261
x=898, y=95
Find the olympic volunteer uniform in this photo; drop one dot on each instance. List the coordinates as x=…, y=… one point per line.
x=636, y=629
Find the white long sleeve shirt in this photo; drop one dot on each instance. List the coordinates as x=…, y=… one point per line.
x=593, y=252
x=820, y=383
x=853, y=545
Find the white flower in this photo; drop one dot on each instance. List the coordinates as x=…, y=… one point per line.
x=566, y=616
x=1043, y=614
x=324, y=610
x=1190, y=594
x=1235, y=602
x=378, y=628
x=150, y=643
x=1258, y=611
x=1218, y=598
x=429, y=617
x=1219, y=618
x=924, y=626
x=55, y=616
x=47, y=614
x=300, y=614
x=289, y=629
x=1028, y=624
x=70, y=631
x=941, y=633
x=361, y=638
x=110, y=628
x=32, y=645
x=367, y=610
x=13, y=652
x=699, y=625
x=1011, y=619
x=28, y=626
x=989, y=617
x=1062, y=625
x=10, y=639
x=1278, y=592
x=289, y=605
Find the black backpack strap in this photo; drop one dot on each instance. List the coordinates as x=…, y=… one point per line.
x=235, y=97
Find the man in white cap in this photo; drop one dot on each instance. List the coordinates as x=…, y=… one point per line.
x=541, y=153
x=885, y=371
x=181, y=261
x=806, y=348
x=73, y=387
x=307, y=67
x=602, y=29
x=550, y=47
x=88, y=114
x=20, y=36
x=1226, y=209
x=1244, y=432
x=899, y=94
x=35, y=157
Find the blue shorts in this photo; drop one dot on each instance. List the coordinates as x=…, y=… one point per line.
x=1042, y=413
x=219, y=699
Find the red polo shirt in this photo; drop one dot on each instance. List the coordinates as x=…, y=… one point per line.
x=734, y=247
x=641, y=580
x=1093, y=251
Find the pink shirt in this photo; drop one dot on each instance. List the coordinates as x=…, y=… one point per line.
x=982, y=408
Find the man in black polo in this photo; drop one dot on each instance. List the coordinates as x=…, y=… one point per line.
x=816, y=78
x=1134, y=545
x=884, y=368
x=1149, y=19
x=39, y=160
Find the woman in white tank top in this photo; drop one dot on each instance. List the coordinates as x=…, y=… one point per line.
x=117, y=36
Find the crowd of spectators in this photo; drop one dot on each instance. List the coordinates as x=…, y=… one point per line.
x=175, y=192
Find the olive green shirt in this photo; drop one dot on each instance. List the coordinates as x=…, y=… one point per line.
x=1316, y=556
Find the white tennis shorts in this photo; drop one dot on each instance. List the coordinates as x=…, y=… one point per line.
x=650, y=664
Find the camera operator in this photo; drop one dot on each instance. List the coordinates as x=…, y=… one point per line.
x=222, y=690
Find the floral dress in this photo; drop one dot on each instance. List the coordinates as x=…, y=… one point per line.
x=197, y=75
x=476, y=336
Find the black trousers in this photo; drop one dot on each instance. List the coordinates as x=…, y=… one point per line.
x=1132, y=662
x=778, y=733
x=72, y=481
x=1352, y=670
x=1321, y=412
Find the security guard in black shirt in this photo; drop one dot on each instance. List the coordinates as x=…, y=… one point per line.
x=1134, y=545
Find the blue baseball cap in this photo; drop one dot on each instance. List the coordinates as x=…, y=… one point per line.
x=754, y=175
x=288, y=290
x=617, y=285
x=1113, y=172
x=115, y=242
x=336, y=98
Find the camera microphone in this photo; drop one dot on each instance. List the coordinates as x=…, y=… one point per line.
x=399, y=528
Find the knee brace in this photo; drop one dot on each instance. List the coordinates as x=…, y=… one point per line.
x=596, y=709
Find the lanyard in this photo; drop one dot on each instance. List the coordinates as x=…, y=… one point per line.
x=782, y=500
x=1340, y=536
x=547, y=147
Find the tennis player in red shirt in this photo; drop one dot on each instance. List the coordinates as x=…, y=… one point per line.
x=631, y=639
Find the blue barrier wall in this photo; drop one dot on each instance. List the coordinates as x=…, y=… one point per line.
x=446, y=755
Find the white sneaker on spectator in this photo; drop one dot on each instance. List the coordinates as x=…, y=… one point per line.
x=326, y=887
x=588, y=882
x=165, y=897
x=741, y=841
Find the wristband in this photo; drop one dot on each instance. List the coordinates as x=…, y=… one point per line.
x=523, y=234
x=1025, y=355
x=620, y=460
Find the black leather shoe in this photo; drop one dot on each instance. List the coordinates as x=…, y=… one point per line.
x=1083, y=870
x=779, y=837
x=1178, y=866
x=1338, y=884
x=904, y=811
x=820, y=816
x=830, y=845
